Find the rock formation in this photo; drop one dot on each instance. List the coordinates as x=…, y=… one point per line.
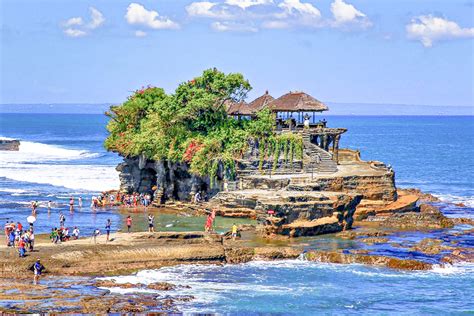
x=9, y=144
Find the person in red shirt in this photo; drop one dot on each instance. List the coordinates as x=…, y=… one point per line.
x=21, y=247
x=20, y=227
x=129, y=223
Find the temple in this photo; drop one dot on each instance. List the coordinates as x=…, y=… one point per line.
x=297, y=112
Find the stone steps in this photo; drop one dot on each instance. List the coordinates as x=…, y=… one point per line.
x=320, y=161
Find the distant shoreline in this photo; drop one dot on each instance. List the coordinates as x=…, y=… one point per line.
x=337, y=109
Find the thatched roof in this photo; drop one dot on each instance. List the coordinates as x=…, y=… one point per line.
x=242, y=108
x=260, y=102
x=237, y=108
x=297, y=102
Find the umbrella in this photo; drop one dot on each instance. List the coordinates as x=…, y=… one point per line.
x=31, y=219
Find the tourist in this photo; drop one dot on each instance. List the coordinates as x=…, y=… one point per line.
x=37, y=269
x=306, y=122
x=31, y=238
x=34, y=206
x=151, y=224
x=208, y=226
x=213, y=217
x=197, y=197
x=234, y=232
x=129, y=223
x=95, y=234
x=49, y=206
x=71, y=204
x=21, y=247
x=107, y=228
x=19, y=227
x=79, y=202
x=54, y=236
x=11, y=238
x=65, y=234
x=62, y=219
x=75, y=233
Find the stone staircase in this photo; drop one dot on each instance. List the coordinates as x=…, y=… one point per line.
x=317, y=160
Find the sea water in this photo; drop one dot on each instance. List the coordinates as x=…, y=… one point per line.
x=62, y=155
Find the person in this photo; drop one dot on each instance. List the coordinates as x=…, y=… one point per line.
x=234, y=232
x=65, y=234
x=34, y=206
x=11, y=238
x=62, y=219
x=208, y=225
x=21, y=247
x=49, y=206
x=32, y=239
x=71, y=204
x=306, y=121
x=151, y=226
x=19, y=227
x=107, y=228
x=37, y=269
x=95, y=234
x=75, y=233
x=129, y=223
x=54, y=235
x=197, y=197
x=79, y=200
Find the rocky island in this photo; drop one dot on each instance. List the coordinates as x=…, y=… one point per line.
x=276, y=160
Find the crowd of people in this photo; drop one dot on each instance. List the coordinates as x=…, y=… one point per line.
x=18, y=237
x=23, y=239
x=116, y=198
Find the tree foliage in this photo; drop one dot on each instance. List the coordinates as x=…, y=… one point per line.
x=191, y=125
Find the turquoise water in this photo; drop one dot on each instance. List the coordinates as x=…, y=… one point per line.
x=62, y=156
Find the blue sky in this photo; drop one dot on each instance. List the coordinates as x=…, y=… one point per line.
x=362, y=51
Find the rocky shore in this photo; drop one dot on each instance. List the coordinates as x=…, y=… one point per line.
x=9, y=144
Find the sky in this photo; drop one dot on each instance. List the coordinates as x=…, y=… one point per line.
x=353, y=51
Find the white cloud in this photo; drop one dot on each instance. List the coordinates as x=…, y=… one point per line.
x=97, y=18
x=75, y=27
x=74, y=21
x=429, y=29
x=206, y=9
x=274, y=24
x=140, y=33
x=295, y=13
x=138, y=15
x=244, y=4
x=232, y=27
x=292, y=7
x=345, y=13
x=74, y=32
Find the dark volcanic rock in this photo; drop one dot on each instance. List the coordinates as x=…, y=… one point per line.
x=9, y=144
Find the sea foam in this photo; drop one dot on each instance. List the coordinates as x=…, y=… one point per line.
x=46, y=164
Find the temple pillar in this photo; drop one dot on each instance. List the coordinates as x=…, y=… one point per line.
x=336, y=149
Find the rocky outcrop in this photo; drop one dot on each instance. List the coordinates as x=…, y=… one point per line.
x=427, y=217
x=9, y=144
x=166, y=179
x=347, y=258
x=370, y=208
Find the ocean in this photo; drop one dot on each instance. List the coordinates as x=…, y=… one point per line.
x=62, y=155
